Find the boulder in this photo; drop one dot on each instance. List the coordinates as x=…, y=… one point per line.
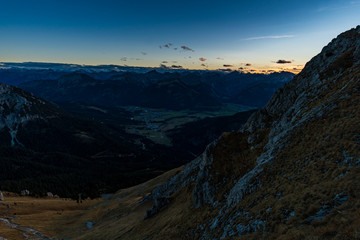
x=25, y=192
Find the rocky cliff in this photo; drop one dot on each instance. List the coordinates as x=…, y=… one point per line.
x=291, y=172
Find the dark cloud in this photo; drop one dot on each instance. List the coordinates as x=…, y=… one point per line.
x=225, y=70
x=241, y=68
x=176, y=66
x=144, y=53
x=175, y=48
x=203, y=65
x=227, y=65
x=185, y=48
x=164, y=62
x=163, y=66
x=202, y=59
x=219, y=58
x=252, y=70
x=248, y=64
x=281, y=61
x=167, y=45
x=124, y=59
x=138, y=59
x=174, y=61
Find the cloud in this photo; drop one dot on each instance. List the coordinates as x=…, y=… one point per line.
x=167, y=45
x=202, y=59
x=203, y=65
x=164, y=62
x=124, y=59
x=176, y=66
x=185, y=48
x=248, y=64
x=219, y=58
x=144, y=53
x=281, y=61
x=163, y=66
x=269, y=37
x=241, y=68
x=175, y=48
x=174, y=61
x=228, y=65
x=225, y=70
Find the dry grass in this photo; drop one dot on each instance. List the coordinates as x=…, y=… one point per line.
x=38, y=213
x=121, y=217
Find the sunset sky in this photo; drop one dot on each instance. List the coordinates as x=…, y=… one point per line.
x=251, y=35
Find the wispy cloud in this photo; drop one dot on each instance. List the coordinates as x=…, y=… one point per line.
x=341, y=5
x=202, y=59
x=269, y=37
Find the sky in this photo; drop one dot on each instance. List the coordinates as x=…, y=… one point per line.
x=256, y=35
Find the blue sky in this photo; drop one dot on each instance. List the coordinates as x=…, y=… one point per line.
x=233, y=33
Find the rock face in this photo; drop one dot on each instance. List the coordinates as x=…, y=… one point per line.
x=292, y=161
x=16, y=108
x=1, y=196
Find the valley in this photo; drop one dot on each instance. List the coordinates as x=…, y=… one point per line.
x=82, y=132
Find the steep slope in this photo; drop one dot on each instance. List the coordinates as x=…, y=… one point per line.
x=291, y=172
x=193, y=137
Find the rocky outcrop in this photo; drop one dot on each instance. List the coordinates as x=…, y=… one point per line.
x=1, y=196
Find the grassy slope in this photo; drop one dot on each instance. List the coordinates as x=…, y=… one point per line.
x=113, y=218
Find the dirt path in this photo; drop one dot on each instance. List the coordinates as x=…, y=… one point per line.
x=28, y=232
